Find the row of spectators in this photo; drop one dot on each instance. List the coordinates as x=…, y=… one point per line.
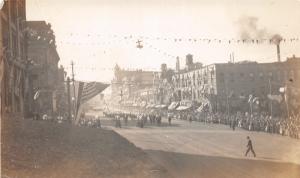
x=288, y=126
x=141, y=118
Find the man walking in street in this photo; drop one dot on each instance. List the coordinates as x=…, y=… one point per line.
x=250, y=147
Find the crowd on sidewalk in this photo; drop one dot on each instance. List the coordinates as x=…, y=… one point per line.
x=285, y=126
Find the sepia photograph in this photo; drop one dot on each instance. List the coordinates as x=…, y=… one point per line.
x=150, y=88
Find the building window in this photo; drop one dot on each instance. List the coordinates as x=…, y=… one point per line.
x=242, y=94
x=263, y=90
x=221, y=79
x=242, y=75
x=251, y=75
x=231, y=77
x=261, y=75
x=279, y=76
x=291, y=75
x=270, y=75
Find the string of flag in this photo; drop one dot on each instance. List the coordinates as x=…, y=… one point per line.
x=195, y=40
x=147, y=42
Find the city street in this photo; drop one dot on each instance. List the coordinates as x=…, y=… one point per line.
x=150, y=89
x=194, y=149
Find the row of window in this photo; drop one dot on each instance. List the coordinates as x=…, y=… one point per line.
x=280, y=75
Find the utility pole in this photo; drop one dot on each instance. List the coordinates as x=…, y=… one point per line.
x=271, y=101
x=227, y=98
x=73, y=80
x=69, y=99
x=286, y=99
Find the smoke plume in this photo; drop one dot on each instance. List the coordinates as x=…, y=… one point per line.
x=249, y=29
x=276, y=39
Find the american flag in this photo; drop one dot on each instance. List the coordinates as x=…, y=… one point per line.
x=87, y=90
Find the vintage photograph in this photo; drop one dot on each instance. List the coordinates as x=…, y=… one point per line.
x=150, y=88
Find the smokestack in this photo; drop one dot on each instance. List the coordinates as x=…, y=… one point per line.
x=278, y=53
x=276, y=39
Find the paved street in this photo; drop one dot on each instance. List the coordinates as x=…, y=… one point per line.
x=191, y=150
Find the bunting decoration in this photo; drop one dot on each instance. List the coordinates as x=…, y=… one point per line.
x=118, y=38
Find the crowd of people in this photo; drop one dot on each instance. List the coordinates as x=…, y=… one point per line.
x=140, y=118
x=89, y=121
x=286, y=126
x=289, y=126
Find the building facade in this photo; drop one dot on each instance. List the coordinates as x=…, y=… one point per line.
x=132, y=86
x=46, y=77
x=230, y=84
x=13, y=54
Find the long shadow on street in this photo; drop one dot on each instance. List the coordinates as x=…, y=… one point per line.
x=189, y=165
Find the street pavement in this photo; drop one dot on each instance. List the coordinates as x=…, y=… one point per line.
x=212, y=150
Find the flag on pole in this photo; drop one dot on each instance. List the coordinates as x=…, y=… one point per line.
x=87, y=90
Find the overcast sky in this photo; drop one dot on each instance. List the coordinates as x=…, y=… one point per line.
x=91, y=32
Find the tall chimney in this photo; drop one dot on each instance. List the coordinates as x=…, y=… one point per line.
x=278, y=52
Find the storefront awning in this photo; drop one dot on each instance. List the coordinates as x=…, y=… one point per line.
x=173, y=105
x=182, y=108
x=203, y=107
x=160, y=106
x=143, y=104
x=150, y=106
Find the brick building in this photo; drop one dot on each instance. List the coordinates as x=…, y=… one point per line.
x=13, y=57
x=231, y=84
x=45, y=75
x=132, y=85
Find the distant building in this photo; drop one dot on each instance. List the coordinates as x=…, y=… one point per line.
x=236, y=82
x=189, y=63
x=163, y=85
x=13, y=63
x=45, y=76
x=130, y=84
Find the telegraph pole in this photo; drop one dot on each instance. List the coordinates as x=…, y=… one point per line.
x=73, y=80
x=271, y=101
x=69, y=99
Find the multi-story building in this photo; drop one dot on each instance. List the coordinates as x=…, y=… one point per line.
x=231, y=84
x=163, y=85
x=13, y=56
x=132, y=86
x=45, y=76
